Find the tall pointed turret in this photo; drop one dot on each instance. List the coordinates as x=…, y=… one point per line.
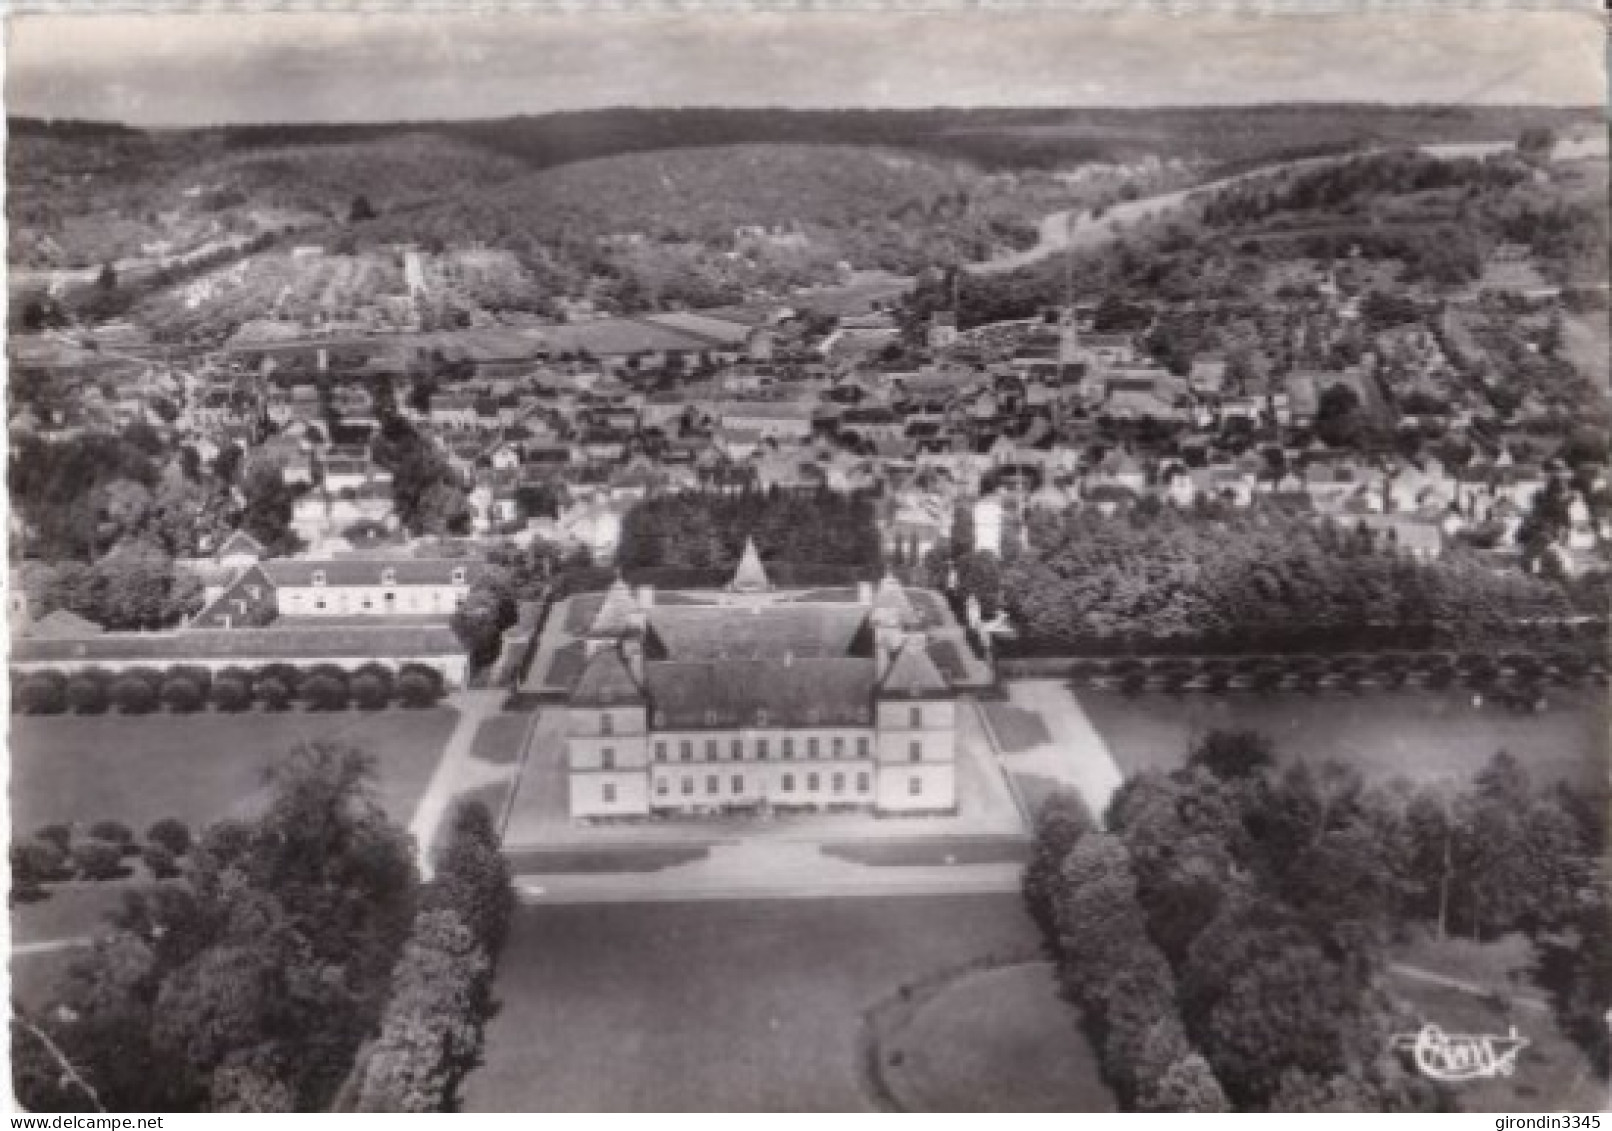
x=750, y=577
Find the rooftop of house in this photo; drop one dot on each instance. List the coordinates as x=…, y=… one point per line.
x=300, y=572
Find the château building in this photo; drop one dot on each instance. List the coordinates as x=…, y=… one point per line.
x=753, y=698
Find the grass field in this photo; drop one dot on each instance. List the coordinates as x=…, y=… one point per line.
x=741, y=1006
x=994, y=1040
x=1016, y=729
x=1422, y=735
x=200, y=768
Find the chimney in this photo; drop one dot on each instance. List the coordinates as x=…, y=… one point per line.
x=646, y=596
x=864, y=592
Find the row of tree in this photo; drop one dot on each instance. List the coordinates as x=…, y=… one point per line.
x=191, y=687
x=431, y=1033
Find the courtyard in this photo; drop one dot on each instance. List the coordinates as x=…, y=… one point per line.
x=734, y=1005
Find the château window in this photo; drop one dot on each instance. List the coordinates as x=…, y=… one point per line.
x=839, y=748
x=917, y=714
x=738, y=749
x=660, y=787
x=789, y=783
x=789, y=748
x=915, y=786
x=812, y=782
x=839, y=783
x=710, y=718
x=811, y=747
x=660, y=752
x=607, y=758
x=318, y=577
x=608, y=792
x=761, y=716
x=915, y=751
x=761, y=749
x=862, y=783
x=713, y=784
x=738, y=783
x=685, y=750
x=607, y=724
x=711, y=750
x=688, y=787
x=862, y=748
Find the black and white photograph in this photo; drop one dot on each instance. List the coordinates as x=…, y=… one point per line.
x=1036, y=557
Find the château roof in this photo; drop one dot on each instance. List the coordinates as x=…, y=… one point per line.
x=750, y=578
x=768, y=693
x=605, y=681
x=770, y=632
x=615, y=616
x=913, y=674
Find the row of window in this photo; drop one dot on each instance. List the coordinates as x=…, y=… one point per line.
x=389, y=576
x=607, y=756
x=607, y=723
x=713, y=786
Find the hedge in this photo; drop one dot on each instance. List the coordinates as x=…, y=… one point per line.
x=116, y=833
x=160, y=861
x=42, y=693
x=99, y=860
x=37, y=861
x=183, y=694
x=135, y=694
x=232, y=692
x=88, y=691
x=372, y=686
x=326, y=689
x=171, y=834
x=419, y=686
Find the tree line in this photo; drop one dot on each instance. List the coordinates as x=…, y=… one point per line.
x=708, y=530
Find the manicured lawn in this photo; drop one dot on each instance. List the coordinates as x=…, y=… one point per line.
x=498, y=739
x=932, y=851
x=741, y=1006
x=200, y=768
x=995, y=1040
x=631, y=858
x=1423, y=735
x=1016, y=729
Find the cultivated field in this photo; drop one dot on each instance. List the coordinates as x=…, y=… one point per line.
x=730, y=1006
x=200, y=768
x=1422, y=735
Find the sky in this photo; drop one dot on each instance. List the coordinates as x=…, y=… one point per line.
x=182, y=70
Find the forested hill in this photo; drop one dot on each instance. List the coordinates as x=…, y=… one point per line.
x=993, y=138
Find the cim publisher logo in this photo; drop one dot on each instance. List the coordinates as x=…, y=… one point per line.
x=1453, y=1057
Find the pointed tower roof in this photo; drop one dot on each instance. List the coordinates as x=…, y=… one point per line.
x=913, y=674
x=615, y=616
x=891, y=598
x=750, y=577
x=606, y=681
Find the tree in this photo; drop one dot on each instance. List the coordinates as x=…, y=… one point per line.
x=1059, y=824
x=1188, y=1084
x=107, y=280
x=171, y=834
x=1337, y=416
x=1231, y=754
x=473, y=877
x=488, y=610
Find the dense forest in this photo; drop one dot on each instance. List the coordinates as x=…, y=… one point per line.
x=707, y=530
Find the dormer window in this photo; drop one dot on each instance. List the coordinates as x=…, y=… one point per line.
x=318, y=577
x=459, y=575
x=761, y=716
x=388, y=577
x=710, y=718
